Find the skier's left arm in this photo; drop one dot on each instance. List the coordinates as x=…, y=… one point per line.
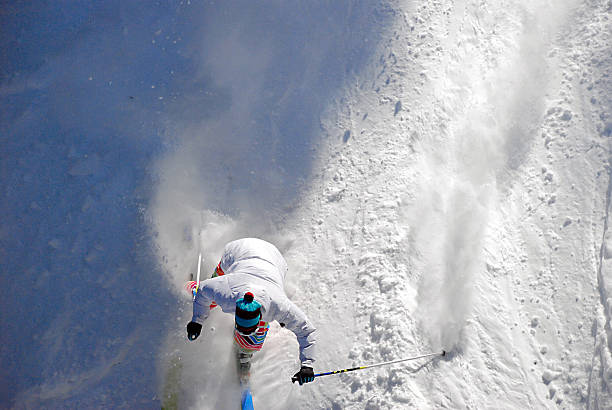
x=296, y=321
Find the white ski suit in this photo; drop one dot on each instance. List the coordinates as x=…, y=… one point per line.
x=256, y=266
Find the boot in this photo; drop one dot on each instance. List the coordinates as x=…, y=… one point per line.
x=244, y=361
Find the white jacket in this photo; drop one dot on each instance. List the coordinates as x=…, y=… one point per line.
x=254, y=265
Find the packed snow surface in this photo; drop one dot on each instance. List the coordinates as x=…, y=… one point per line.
x=436, y=173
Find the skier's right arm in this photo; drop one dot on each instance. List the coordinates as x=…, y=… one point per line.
x=201, y=308
x=212, y=290
x=200, y=313
x=201, y=304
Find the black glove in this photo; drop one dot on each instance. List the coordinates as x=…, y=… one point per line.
x=305, y=375
x=193, y=330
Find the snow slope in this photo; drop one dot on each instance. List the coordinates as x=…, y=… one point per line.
x=467, y=212
x=459, y=202
x=436, y=173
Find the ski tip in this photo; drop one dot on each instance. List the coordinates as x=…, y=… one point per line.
x=247, y=400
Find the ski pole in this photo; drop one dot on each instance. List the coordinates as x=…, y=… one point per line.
x=443, y=353
x=195, y=290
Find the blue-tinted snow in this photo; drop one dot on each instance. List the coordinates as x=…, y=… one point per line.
x=92, y=94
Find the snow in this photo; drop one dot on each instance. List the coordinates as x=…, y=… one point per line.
x=436, y=173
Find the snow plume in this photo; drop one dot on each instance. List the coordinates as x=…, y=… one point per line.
x=493, y=105
x=241, y=123
x=449, y=215
x=448, y=224
x=243, y=116
x=448, y=219
x=186, y=215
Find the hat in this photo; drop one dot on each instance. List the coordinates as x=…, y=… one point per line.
x=248, y=314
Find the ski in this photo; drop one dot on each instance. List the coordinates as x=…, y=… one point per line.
x=247, y=399
x=244, y=376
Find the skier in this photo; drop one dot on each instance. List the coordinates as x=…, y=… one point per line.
x=249, y=283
